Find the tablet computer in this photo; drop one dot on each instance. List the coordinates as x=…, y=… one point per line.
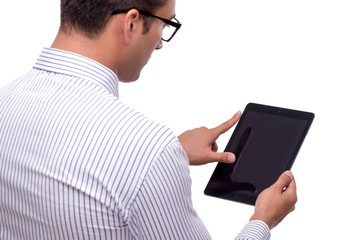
x=265, y=142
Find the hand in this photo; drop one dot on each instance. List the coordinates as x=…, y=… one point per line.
x=277, y=201
x=200, y=143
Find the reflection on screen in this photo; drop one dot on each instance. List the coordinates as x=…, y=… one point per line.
x=263, y=146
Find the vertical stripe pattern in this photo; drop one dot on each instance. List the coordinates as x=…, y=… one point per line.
x=76, y=163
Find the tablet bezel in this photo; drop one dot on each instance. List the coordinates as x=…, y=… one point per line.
x=223, y=168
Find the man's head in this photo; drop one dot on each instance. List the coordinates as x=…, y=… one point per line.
x=120, y=34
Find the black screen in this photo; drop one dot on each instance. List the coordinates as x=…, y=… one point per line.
x=265, y=143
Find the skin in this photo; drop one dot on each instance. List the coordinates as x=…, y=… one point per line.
x=123, y=48
x=200, y=143
x=275, y=203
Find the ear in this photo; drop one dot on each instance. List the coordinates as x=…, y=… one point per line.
x=132, y=24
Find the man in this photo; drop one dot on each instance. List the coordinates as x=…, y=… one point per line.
x=77, y=163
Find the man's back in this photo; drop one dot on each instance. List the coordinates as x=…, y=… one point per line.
x=73, y=157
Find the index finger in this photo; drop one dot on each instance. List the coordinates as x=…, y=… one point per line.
x=226, y=125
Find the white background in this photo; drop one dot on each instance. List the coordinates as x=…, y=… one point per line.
x=297, y=54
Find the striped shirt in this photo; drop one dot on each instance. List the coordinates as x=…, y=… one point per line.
x=77, y=163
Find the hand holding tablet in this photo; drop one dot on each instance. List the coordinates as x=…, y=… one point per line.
x=277, y=201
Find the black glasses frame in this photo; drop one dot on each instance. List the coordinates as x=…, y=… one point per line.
x=176, y=24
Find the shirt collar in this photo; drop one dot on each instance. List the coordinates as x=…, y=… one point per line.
x=59, y=61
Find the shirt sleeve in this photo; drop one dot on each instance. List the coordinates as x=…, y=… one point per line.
x=163, y=208
x=255, y=230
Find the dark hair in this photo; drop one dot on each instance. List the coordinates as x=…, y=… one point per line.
x=91, y=16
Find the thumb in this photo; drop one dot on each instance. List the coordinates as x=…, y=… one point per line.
x=224, y=157
x=284, y=180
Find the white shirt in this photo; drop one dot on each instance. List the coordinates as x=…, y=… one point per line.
x=77, y=163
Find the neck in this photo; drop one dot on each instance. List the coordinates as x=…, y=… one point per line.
x=81, y=44
x=111, y=48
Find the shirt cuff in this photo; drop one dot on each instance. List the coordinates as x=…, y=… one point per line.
x=256, y=230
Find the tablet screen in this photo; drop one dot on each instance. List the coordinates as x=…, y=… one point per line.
x=265, y=143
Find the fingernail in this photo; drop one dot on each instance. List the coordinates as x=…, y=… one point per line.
x=290, y=175
x=231, y=158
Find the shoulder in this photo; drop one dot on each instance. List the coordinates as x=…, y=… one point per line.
x=136, y=132
x=134, y=144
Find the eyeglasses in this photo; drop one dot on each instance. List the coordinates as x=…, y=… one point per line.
x=170, y=29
